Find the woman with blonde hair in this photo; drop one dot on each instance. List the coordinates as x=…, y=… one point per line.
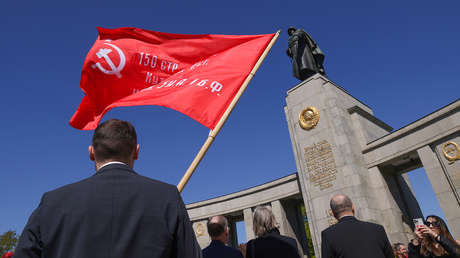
x=269, y=242
x=433, y=240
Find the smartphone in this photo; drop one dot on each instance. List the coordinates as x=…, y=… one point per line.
x=418, y=222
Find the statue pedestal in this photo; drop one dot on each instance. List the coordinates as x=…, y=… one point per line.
x=330, y=160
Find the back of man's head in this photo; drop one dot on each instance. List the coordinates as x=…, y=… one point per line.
x=114, y=140
x=217, y=226
x=341, y=205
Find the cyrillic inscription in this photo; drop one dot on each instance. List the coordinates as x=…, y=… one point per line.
x=321, y=167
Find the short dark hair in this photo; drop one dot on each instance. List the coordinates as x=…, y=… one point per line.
x=114, y=140
x=341, y=203
x=218, y=226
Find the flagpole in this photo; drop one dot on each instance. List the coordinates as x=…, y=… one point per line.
x=213, y=133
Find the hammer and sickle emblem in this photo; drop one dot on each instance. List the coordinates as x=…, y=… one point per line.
x=104, y=53
x=451, y=151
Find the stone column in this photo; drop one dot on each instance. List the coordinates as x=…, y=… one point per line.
x=412, y=207
x=452, y=167
x=247, y=213
x=443, y=190
x=233, y=239
x=280, y=216
x=284, y=225
x=386, y=206
x=296, y=220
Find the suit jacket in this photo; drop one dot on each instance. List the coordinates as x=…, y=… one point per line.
x=272, y=245
x=116, y=213
x=351, y=238
x=217, y=249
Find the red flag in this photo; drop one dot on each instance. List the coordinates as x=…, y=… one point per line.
x=197, y=75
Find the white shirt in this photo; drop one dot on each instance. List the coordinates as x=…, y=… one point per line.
x=112, y=162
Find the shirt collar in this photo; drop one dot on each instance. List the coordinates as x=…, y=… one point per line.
x=216, y=242
x=347, y=217
x=111, y=162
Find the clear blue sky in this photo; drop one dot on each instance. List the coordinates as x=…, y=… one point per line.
x=398, y=57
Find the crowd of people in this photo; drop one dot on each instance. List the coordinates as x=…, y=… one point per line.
x=269, y=242
x=432, y=239
x=117, y=213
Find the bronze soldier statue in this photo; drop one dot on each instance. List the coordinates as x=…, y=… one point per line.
x=307, y=58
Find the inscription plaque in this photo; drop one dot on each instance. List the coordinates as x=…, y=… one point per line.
x=321, y=167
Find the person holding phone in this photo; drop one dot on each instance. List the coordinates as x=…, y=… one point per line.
x=433, y=239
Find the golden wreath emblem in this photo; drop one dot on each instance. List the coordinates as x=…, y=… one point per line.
x=308, y=118
x=199, y=230
x=451, y=151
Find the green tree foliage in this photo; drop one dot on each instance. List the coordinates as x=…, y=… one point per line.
x=311, y=251
x=8, y=241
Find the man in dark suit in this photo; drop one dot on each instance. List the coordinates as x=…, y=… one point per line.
x=351, y=238
x=219, y=233
x=115, y=213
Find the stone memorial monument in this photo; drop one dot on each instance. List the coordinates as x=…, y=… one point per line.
x=341, y=147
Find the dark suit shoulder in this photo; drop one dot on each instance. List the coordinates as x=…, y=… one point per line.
x=67, y=188
x=291, y=241
x=221, y=250
x=340, y=240
x=272, y=245
x=158, y=188
x=110, y=175
x=352, y=224
x=352, y=221
x=372, y=225
x=157, y=183
x=236, y=252
x=285, y=239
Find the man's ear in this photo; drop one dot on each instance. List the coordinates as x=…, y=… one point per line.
x=353, y=209
x=91, y=152
x=227, y=233
x=332, y=213
x=136, y=153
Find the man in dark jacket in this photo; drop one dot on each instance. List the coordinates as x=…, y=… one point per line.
x=351, y=238
x=219, y=233
x=115, y=213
